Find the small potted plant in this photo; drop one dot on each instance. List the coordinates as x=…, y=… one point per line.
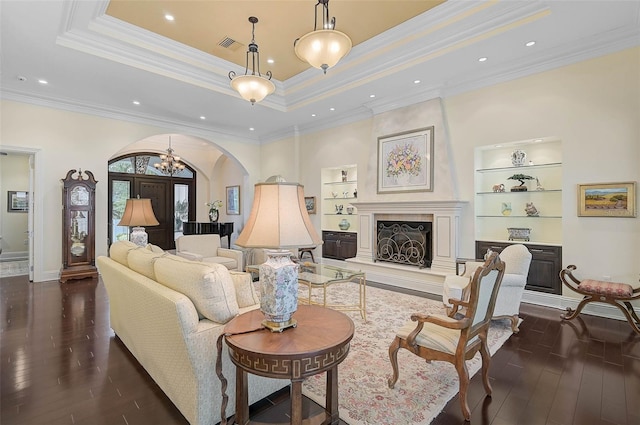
x=521, y=178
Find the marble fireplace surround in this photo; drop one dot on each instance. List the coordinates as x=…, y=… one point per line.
x=445, y=219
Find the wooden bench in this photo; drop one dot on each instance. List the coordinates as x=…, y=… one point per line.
x=617, y=294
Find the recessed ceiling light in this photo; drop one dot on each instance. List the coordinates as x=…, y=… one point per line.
x=372, y=95
x=270, y=61
x=41, y=81
x=538, y=140
x=135, y=102
x=530, y=43
x=22, y=78
x=251, y=129
x=313, y=115
x=416, y=81
x=202, y=117
x=497, y=146
x=332, y=109
x=169, y=17
x=482, y=60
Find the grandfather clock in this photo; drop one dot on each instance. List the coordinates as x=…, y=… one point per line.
x=78, y=227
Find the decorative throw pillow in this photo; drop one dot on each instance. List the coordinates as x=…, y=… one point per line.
x=208, y=286
x=119, y=251
x=154, y=248
x=246, y=294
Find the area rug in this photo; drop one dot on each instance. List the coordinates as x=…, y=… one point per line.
x=14, y=268
x=422, y=390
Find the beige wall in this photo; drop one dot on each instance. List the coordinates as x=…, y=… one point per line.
x=65, y=140
x=593, y=107
x=14, y=176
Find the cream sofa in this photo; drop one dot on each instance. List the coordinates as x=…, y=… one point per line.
x=206, y=248
x=169, y=312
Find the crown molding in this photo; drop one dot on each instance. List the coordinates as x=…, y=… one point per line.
x=121, y=115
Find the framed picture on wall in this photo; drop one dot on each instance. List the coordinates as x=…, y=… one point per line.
x=233, y=200
x=17, y=201
x=607, y=200
x=310, y=203
x=405, y=161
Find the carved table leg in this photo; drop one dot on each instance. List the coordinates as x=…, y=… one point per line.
x=332, y=396
x=242, y=397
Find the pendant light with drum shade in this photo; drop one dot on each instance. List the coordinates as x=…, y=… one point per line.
x=252, y=87
x=323, y=48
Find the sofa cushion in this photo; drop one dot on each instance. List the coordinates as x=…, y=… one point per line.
x=119, y=251
x=141, y=261
x=209, y=286
x=246, y=294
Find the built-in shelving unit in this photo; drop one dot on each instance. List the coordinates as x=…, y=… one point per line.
x=339, y=216
x=498, y=208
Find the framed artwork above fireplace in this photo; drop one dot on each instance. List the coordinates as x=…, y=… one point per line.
x=405, y=161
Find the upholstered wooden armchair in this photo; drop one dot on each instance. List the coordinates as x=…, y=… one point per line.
x=455, y=339
x=517, y=259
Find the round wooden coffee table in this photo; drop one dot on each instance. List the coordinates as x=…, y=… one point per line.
x=318, y=344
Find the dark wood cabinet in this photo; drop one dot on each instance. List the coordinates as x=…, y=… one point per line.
x=339, y=245
x=546, y=263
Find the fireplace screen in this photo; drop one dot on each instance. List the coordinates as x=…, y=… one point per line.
x=404, y=242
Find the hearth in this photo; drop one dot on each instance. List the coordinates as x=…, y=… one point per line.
x=404, y=242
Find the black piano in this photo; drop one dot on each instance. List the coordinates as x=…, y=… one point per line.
x=195, y=228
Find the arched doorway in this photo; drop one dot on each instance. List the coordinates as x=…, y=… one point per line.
x=172, y=196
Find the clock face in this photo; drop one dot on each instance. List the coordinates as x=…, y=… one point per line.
x=79, y=196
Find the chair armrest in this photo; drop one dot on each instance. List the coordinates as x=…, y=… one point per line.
x=189, y=255
x=232, y=253
x=441, y=320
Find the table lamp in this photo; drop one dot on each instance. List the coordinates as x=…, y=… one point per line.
x=278, y=219
x=138, y=213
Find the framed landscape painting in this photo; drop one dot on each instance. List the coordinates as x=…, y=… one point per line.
x=405, y=162
x=607, y=200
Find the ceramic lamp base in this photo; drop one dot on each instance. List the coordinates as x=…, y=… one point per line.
x=139, y=236
x=279, y=290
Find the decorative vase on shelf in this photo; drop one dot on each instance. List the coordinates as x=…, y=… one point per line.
x=518, y=158
x=355, y=193
x=344, y=224
x=344, y=175
x=506, y=208
x=213, y=215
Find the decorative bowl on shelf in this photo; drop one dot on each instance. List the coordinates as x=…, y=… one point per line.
x=519, y=233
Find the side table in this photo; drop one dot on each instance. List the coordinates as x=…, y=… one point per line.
x=318, y=344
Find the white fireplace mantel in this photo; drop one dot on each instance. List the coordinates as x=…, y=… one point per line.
x=445, y=216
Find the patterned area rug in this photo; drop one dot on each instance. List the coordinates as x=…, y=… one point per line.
x=14, y=268
x=422, y=390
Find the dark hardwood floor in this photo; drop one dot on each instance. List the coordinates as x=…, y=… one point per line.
x=61, y=364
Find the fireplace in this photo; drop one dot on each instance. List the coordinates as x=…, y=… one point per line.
x=404, y=242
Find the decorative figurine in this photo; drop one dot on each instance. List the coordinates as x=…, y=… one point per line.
x=344, y=175
x=538, y=185
x=355, y=193
x=531, y=210
x=521, y=178
x=518, y=158
x=506, y=208
x=498, y=187
x=345, y=194
x=339, y=209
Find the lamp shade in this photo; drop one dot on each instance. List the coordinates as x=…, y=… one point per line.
x=253, y=88
x=323, y=49
x=278, y=218
x=138, y=212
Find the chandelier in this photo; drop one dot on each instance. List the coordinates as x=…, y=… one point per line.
x=323, y=48
x=252, y=87
x=170, y=164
